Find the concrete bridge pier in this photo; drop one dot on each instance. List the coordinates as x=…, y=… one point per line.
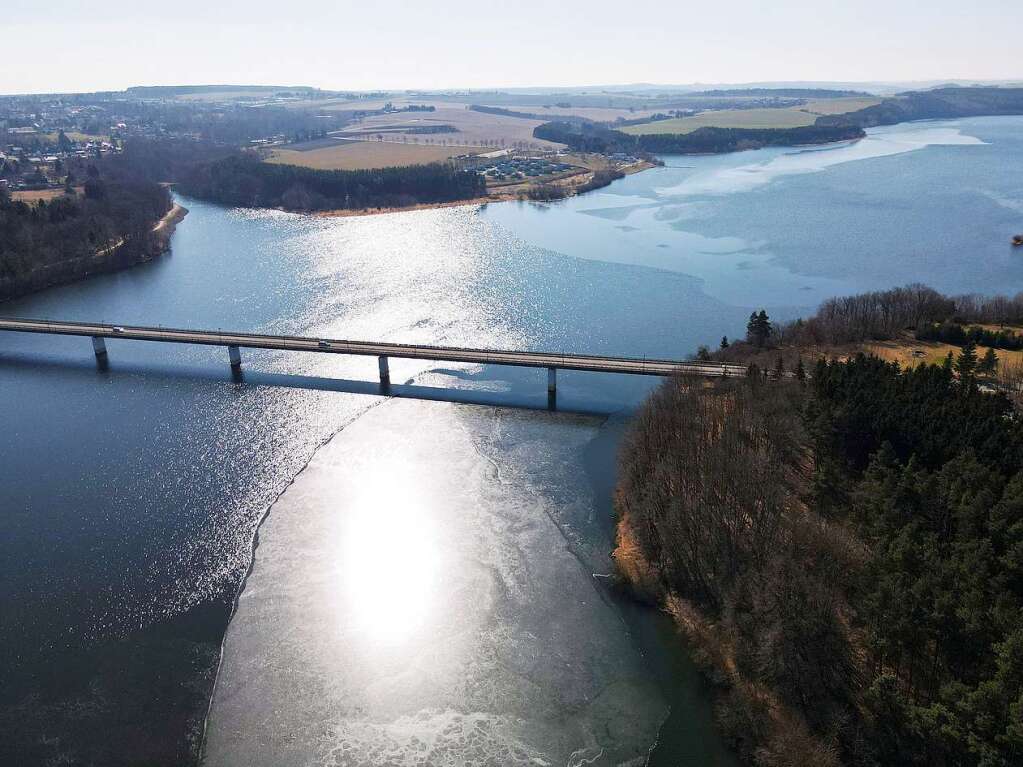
x=552, y=388
x=99, y=345
x=236, y=356
x=385, y=372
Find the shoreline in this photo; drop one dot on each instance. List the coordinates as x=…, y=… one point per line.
x=171, y=218
x=511, y=195
x=103, y=261
x=357, y=212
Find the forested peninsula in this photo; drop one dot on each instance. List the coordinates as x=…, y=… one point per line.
x=110, y=222
x=592, y=137
x=937, y=104
x=941, y=103
x=840, y=540
x=244, y=180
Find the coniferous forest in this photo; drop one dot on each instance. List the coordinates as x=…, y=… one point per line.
x=844, y=551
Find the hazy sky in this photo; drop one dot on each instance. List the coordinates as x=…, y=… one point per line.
x=63, y=45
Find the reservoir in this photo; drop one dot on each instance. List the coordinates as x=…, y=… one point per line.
x=423, y=579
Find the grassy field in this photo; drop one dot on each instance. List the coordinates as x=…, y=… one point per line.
x=727, y=118
x=362, y=155
x=838, y=106
x=597, y=114
x=905, y=350
x=472, y=128
x=74, y=136
x=909, y=352
x=35, y=195
x=787, y=117
x=216, y=96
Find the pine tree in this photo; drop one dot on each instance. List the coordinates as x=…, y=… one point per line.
x=758, y=329
x=966, y=364
x=800, y=370
x=989, y=362
x=703, y=354
x=779, y=368
x=946, y=363
x=724, y=342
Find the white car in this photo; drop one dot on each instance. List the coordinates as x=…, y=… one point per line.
x=118, y=329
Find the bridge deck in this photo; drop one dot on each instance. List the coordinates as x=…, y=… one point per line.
x=632, y=366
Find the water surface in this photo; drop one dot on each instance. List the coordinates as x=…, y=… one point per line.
x=427, y=585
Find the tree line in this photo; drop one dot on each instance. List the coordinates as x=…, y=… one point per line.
x=846, y=553
x=244, y=180
x=937, y=104
x=548, y=192
x=108, y=226
x=886, y=314
x=957, y=334
x=592, y=137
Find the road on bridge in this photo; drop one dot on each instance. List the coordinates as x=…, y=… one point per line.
x=592, y=363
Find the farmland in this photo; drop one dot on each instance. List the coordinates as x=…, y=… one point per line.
x=769, y=117
x=471, y=128
x=362, y=155
x=839, y=106
x=597, y=114
x=37, y=195
x=727, y=118
x=75, y=136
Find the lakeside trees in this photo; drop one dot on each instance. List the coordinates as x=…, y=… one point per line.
x=244, y=180
x=593, y=137
x=939, y=103
x=886, y=314
x=846, y=554
x=109, y=226
x=717, y=513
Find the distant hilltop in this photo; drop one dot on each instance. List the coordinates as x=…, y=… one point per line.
x=796, y=93
x=169, y=91
x=937, y=104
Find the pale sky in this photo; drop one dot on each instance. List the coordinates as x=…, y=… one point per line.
x=64, y=45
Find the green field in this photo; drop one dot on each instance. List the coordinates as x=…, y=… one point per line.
x=74, y=136
x=839, y=106
x=727, y=118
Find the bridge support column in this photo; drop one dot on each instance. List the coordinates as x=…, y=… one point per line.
x=235, y=355
x=385, y=371
x=100, y=347
x=552, y=380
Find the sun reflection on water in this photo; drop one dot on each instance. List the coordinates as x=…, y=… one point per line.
x=390, y=558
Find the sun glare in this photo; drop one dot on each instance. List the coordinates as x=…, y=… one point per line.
x=390, y=558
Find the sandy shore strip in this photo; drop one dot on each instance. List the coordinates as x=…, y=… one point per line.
x=344, y=213
x=504, y=195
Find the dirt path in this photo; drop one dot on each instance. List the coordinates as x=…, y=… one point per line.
x=170, y=218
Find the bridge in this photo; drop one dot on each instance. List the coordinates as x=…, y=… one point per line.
x=236, y=341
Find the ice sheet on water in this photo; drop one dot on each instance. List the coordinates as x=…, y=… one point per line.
x=884, y=142
x=413, y=602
